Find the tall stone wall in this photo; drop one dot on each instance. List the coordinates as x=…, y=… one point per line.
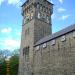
x=56, y=57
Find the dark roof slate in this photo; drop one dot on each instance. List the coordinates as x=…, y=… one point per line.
x=24, y=3
x=55, y=35
x=28, y=1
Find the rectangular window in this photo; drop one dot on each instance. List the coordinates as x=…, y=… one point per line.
x=39, y=15
x=26, y=53
x=47, y=19
x=37, y=47
x=44, y=45
x=38, y=6
x=74, y=34
x=53, y=42
x=41, y=8
x=63, y=38
x=31, y=16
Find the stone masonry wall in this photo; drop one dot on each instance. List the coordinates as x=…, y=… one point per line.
x=56, y=59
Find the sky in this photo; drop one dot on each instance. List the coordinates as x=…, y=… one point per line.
x=11, y=20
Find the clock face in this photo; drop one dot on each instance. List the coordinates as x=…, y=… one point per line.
x=28, y=16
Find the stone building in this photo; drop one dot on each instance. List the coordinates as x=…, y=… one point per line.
x=55, y=54
x=41, y=52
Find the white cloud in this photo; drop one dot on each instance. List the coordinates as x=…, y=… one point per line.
x=65, y=17
x=53, y=16
x=61, y=10
x=61, y=1
x=18, y=33
x=51, y=1
x=10, y=44
x=12, y=2
x=6, y=30
x=1, y=1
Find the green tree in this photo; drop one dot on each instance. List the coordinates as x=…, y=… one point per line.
x=14, y=62
x=2, y=63
x=3, y=68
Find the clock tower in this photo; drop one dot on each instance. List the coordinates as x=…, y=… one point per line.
x=36, y=25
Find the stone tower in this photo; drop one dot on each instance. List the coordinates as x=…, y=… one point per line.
x=36, y=25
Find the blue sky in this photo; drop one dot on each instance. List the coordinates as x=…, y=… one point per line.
x=11, y=20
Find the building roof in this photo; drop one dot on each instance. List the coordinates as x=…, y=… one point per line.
x=56, y=35
x=25, y=3
x=28, y=1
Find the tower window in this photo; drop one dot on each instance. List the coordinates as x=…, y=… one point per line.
x=26, y=50
x=47, y=19
x=31, y=15
x=26, y=53
x=38, y=6
x=41, y=8
x=43, y=16
x=46, y=10
x=39, y=15
x=30, y=7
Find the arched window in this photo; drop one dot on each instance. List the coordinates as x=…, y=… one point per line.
x=26, y=53
x=38, y=6
x=39, y=15
x=41, y=8
x=31, y=15
x=31, y=7
x=47, y=19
